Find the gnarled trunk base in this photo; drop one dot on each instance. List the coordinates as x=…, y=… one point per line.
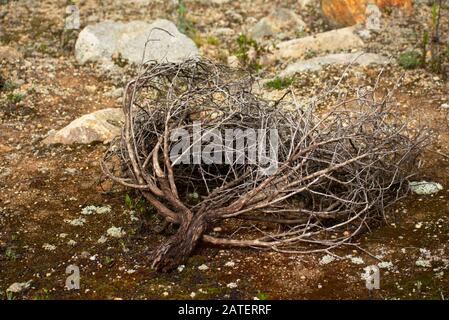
x=175, y=250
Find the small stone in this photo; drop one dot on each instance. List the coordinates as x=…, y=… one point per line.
x=181, y=268
x=203, y=267
x=102, y=239
x=232, y=285
x=230, y=264
x=423, y=263
x=9, y=54
x=71, y=243
x=281, y=23
x=84, y=255
x=18, y=287
x=233, y=62
x=91, y=89
x=103, y=125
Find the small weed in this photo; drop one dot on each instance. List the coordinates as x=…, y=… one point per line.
x=10, y=254
x=7, y=85
x=139, y=204
x=279, y=83
x=244, y=45
x=108, y=261
x=310, y=54
x=410, y=59
x=15, y=97
x=184, y=24
x=262, y=295
x=119, y=60
x=43, y=295
x=213, y=41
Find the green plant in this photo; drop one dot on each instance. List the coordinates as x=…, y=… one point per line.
x=424, y=42
x=410, y=59
x=310, y=54
x=244, y=45
x=43, y=295
x=279, y=83
x=139, y=204
x=10, y=254
x=7, y=85
x=183, y=23
x=15, y=97
x=108, y=261
x=262, y=295
x=10, y=296
x=212, y=41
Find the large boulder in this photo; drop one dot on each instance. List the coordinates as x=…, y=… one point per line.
x=349, y=12
x=280, y=24
x=330, y=41
x=100, y=42
x=99, y=126
x=317, y=63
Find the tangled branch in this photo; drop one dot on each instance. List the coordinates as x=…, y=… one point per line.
x=332, y=177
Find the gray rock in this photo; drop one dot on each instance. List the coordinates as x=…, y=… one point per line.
x=334, y=40
x=317, y=63
x=18, y=287
x=280, y=24
x=103, y=125
x=99, y=42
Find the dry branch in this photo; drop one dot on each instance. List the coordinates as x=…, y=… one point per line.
x=336, y=172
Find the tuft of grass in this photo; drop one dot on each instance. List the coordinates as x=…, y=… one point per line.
x=10, y=254
x=184, y=24
x=15, y=97
x=213, y=41
x=262, y=295
x=7, y=85
x=244, y=45
x=279, y=83
x=139, y=205
x=410, y=59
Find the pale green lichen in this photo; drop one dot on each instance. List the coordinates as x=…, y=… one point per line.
x=424, y=187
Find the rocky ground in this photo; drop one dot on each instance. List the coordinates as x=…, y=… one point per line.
x=57, y=209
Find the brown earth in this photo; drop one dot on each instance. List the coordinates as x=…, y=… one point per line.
x=42, y=187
